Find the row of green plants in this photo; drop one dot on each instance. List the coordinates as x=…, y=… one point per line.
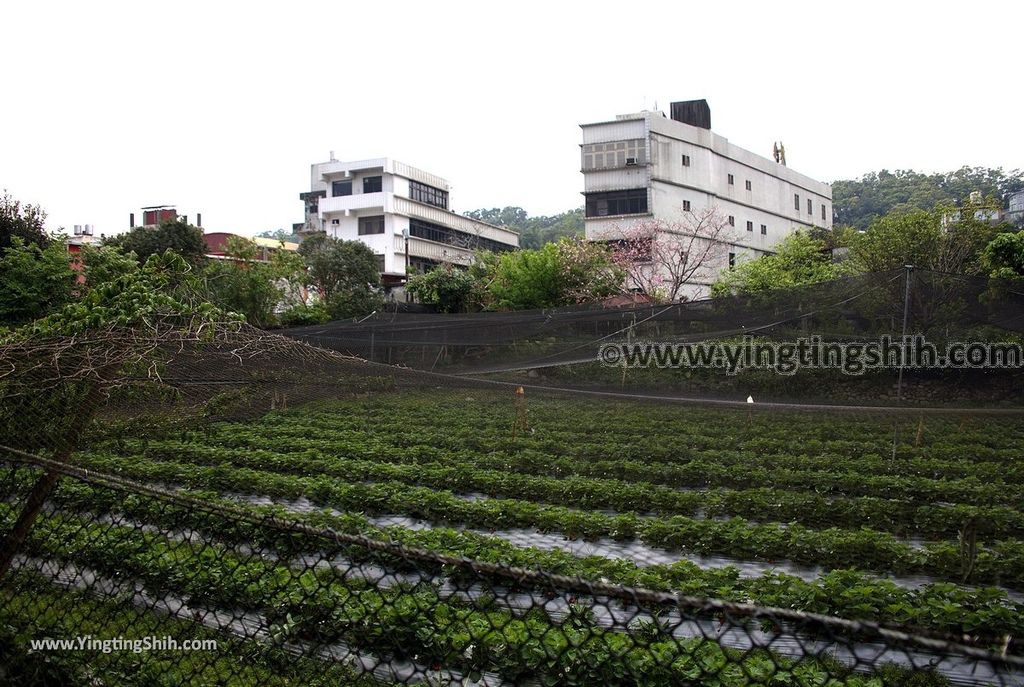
x=31, y=608
x=942, y=607
x=316, y=604
x=758, y=504
x=663, y=429
x=468, y=440
x=1000, y=562
x=741, y=470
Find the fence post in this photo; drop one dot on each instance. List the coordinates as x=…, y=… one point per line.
x=45, y=485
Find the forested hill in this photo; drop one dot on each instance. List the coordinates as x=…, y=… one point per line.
x=534, y=231
x=857, y=202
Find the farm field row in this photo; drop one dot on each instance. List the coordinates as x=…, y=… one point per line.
x=322, y=605
x=941, y=606
x=901, y=517
x=817, y=494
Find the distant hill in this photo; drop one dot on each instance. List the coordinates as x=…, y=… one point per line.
x=533, y=231
x=857, y=202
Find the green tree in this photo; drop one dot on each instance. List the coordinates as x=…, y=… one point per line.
x=243, y=283
x=33, y=280
x=556, y=274
x=177, y=235
x=447, y=288
x=344, y=275
x=26, y=222
x=946, y=239
x=799, y=260
x=1003, y=257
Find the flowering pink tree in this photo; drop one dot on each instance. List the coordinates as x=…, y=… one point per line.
x=660, y=258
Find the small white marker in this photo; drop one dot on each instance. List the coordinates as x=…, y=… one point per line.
x=750, y=399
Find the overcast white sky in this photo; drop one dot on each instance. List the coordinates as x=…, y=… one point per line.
x=220, y=107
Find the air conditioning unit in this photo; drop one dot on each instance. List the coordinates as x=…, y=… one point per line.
x=630, y=161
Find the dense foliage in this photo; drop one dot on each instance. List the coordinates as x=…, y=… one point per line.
x=1003, y=257
x=534, y=232
x=798, y=260
x=174, y=234
x=33, y=280
x=344, y=275
x=21, y=221
x=447, y=288
x=859, y=202
x=245, y=284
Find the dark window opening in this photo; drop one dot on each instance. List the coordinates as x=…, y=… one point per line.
x=419, y=265
x=373, y=184
x=732, y=180
x=732, y=260
x=732, y=221
x=631, y=202
x=749, y=185
x=796, y=201
x=823, y=211
x=750, y=226
x=686, y=206
x=371, y=225
x=428, y=194
x=341, y=188
x=764, y=229
x=810, y=207
x=686, y=160
x=454, y=237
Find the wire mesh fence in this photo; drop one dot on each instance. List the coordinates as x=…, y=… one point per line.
x=116, y=561
x=316, y=516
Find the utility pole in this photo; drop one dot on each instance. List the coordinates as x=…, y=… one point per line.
x=903, y=354
x=903, y=339
x=405, y=235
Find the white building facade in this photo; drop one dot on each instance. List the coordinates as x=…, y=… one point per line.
x=647, y=166
x=389, y=205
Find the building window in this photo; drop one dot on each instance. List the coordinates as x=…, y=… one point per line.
x=749, y=185
x=732, y=221
x=453, y=237
x=380, y=262
x=686, y=160
x=732, y=260
x=373, y=184
x=428, y=194
x=764, y=230
x=615, y=154
x=796, y=201
x=421, y=265
x=686, y=206
x=750, y=226
x=371, y=225
x=810, y=207
x=732, y=180
x=631, y=202
x=823, y=211
x=341, y=188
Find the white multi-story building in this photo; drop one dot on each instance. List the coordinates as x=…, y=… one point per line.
x=389, y=206
x=647, y=166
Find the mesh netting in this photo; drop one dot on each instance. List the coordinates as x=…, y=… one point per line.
x=455, y=510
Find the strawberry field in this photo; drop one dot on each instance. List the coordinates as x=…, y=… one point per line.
x=804, y=511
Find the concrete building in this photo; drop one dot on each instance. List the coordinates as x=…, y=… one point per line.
x=399, y=211
x=648, y=166
x=1015, y=208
